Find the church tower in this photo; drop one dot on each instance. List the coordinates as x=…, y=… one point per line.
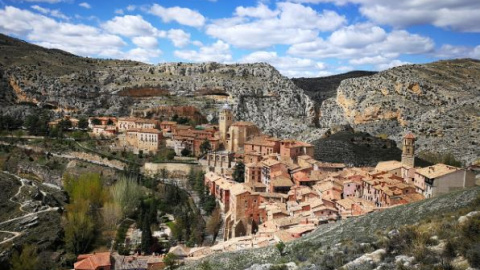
x=224, y=122
x=408, y=151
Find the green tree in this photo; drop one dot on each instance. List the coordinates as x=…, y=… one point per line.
x=205, y=146
x=65, y=124
x=170, y=260
x=239, y=172
x=127, y=194
x=146, y=235
x=214, y=223
x=185, y=152
x=26, y=260
x=280, y=247
x=110, y=122
x=83, y=123
x=79, y=227
x=96, y=121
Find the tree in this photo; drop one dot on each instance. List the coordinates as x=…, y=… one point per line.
x=79, y=227
x=214, y=223
x=96, y=121
x=239, y=172
x=170, y=260
x=127, y=194
x=205, y=146
x=26, y=260
x=65, y=124
x=111, y=214
x=280, y=247
x=110, y=122
x=185, y=152
x=146, y=235
x=83, y=123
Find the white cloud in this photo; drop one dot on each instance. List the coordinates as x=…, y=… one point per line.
x=85, y=5
x=184, y=16
x=131, y=8
x=293, y=24
x=388, y=45
x=391, y=64
x=146, y=42
x=45, y=1
x=52, y=12
x=132, y=26
x=217, y=52
x=288, y=66
x=141, y=54
x=357, y=35
x=260, y=11
x=457, y=15
x=179, y=37
x=119, y=11
x=448, y=51
x=75, y=38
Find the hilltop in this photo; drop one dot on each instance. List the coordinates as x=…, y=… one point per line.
x=336, y=244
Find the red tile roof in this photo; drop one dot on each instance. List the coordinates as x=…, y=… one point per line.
x=92, y=261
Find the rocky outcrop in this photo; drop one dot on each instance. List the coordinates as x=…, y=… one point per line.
x=438, y=102
x=71, y=84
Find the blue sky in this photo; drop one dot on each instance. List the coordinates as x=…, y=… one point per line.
x=301, y=38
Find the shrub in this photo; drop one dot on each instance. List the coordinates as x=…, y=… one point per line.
x=473, y=255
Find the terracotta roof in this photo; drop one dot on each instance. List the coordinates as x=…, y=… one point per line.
x=282, y=181
x=409, y=136
x=390, y=165
x=144, y=130
x=437, y=170
x=92, y=261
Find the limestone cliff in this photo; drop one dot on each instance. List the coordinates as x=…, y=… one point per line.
x=439, y=102
x=71, y=84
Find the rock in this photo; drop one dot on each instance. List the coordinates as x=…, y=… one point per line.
x=290, y=266
x=393, y=233
x=369, y=258
x=462, y=220
x=404, y=260
x=473, y=214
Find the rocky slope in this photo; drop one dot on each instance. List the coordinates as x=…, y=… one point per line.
x=366, y=242
x=36, y=76
x=439, y=102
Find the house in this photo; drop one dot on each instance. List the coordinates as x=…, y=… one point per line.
x=94, y=261
x=263, y=145
x=292, y=149
x=128, y=123
x=221, y=162
x=440, y=179
x=143, y=140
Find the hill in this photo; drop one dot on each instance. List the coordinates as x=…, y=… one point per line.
x=336, y=244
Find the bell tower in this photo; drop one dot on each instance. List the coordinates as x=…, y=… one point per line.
x=408, y=150
x=224, y=122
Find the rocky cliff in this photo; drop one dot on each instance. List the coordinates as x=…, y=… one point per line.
x=438, y=102
x=31, y=75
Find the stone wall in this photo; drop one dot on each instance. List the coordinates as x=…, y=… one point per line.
x=174, y=169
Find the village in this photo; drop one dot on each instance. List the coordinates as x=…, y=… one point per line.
x=283, y=193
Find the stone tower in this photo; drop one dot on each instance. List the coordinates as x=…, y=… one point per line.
x=408, y=151
x=225, y=121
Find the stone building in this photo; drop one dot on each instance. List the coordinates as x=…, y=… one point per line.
x=142, y=140
x=408, y=150
x=221, y=162
x=127, y=123
x=440, y=179
x=292, y=149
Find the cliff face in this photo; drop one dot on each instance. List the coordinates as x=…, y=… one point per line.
x=438, y=102
x=33, y=75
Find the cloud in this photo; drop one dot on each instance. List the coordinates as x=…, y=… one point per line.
x=358, y=35
x=456, y=15
x=448, y=51
x=52, y=12
x=292, y=24
x=288, y=66
x=45, y=1
x=119, y=11
x=184, y=16
x=179, y=37
x=75, y=38
x=145, y=42
x=131, y=8
x=217, y=52
x=85, y=5
x=131, y=26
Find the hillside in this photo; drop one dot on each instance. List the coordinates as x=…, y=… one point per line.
x=337, y=244
x=439, y=102
x=322, y=88
x=31, y=75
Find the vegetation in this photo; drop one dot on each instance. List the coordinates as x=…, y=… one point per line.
x=37, y=124
x=126, y=195
x=170, y=260
x=27, y=259
x=239, y=172
x=280, y=247
x=205, y=146
x=214, y=223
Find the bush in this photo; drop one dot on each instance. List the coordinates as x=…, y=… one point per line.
x=473, y=255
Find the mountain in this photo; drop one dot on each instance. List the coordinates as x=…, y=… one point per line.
x=416, y=232
x=31, y=75
x=439, y=102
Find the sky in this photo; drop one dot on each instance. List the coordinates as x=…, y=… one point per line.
x=301, y=38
